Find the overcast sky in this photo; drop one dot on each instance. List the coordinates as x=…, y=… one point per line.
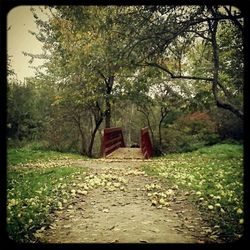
x=20, y=20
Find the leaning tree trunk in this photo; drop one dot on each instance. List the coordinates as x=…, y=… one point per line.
x=93, y=134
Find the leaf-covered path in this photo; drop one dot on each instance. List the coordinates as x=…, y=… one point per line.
x=117, y=202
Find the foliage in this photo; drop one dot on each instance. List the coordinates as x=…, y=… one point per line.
x=194, y=123
x=229, y=127
x=190, y=132
x=23, y=118
x=213, y=178
x=61, y=134
x=230, y=46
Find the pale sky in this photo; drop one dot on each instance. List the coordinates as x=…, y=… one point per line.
x=20, y=19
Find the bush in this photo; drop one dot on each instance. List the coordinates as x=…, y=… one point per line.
x=189, y=133
x=229, y=126
x=61, y=136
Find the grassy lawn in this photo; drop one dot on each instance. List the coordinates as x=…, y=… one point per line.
x=37, y=186
x=214, y=178
x=26, y=155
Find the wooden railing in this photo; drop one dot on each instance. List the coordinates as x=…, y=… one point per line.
x=145, y=144
x=111, y=140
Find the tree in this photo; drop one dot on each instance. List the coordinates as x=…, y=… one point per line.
x=84, y=58
x=190, y=25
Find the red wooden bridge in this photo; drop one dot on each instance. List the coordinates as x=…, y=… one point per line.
x=113, y=145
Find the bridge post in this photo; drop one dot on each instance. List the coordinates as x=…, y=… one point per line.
x=145, y=143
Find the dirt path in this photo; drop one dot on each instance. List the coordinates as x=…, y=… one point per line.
x=119, y=209
x=126, y=153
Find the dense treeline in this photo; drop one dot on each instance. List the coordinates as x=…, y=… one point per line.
x=176, y=69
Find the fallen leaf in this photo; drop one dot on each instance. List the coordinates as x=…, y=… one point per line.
x=155, y=230
x=144, y=241
x=83, y=192
x=162, y=201
x=154, y=202
x=114, y=241
x=67, y=226
x=200, y=241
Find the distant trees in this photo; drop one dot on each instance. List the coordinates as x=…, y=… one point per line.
x=23, y=117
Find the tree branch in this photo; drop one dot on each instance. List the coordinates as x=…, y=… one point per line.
x=179, y=76
x=103, y=76
x=233, y=18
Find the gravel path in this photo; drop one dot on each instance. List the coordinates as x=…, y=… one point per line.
x=121, y=210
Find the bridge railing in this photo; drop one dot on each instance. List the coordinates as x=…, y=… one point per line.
x=145, y=143
x=112, y=139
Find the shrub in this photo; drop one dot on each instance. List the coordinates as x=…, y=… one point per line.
x=61, y=136
x=190, y=132
x=229, y=126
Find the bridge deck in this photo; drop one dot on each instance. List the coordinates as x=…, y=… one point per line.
x=126, y=153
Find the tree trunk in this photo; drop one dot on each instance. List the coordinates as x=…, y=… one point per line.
x=83, y=150
x=220, y=104
x=164, y=113
x=130, y=124
x=109, y=86
x=160, y=138
x=108, y=114
x=92, y=139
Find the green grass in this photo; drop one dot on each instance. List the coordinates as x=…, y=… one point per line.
x=34, y=192
x=214, y=177
x=26, y=155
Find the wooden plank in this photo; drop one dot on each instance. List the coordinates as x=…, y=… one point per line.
x=112, y=141
x=110, y=130
x=114, y=146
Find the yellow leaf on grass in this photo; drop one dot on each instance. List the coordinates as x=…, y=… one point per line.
x=239, y=211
